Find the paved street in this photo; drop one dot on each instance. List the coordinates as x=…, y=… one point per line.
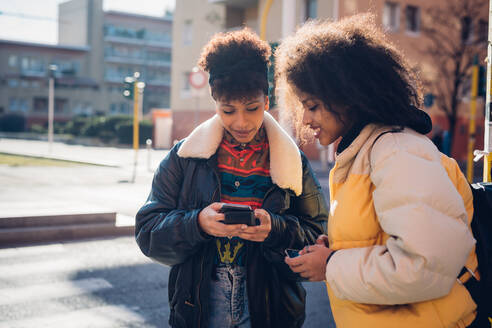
x=90, y=283
x=98, y=284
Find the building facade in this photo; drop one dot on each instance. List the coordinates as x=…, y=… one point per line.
x=24, y=79
x=402, y=20
x=121, y=44
x=96, y=50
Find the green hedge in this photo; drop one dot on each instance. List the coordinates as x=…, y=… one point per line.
x=124, y=132
x=12, y=123
x=108, y=129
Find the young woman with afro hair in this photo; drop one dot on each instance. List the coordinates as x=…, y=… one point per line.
x=399, y=237
x=233, y=275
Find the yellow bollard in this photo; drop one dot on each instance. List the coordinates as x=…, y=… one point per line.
x=473, y=110
x=487, y=166
x=264, y=18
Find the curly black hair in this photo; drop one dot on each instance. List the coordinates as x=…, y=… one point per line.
x=351, y=67
x=237, y=62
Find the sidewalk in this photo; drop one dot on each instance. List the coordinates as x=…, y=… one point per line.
x=104, y=186
x=75, y=194
x=104, y=156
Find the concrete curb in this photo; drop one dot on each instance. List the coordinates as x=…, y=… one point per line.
x=62, y=158
x=28, y=230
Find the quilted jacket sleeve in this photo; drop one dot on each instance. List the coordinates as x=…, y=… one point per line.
x=160, y=226
x=300, y=225
x=418, y=206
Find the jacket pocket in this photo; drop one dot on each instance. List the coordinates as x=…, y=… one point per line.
x=277, y=201
x=175, y=320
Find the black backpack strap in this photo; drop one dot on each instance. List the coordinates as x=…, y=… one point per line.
x=394, y=130
x=472, y=284
x=481, y=226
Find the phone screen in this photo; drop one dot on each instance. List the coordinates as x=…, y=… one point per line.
x=292, y=252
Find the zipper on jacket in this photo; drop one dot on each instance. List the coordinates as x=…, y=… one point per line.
x=198, y=292
x=213, y=196
x=218, y=186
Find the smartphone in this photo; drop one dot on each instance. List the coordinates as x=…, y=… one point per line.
x=292, y=252
x=238, y=214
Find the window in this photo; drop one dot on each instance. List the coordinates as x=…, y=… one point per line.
x=19, y=105
x=483, y=29
x=466, y=29
x=37, y=65
x=185, y=86
x=124, y=108
x=13, y=83
x=187, y=32
x=40, y=104
x=61, y=105
x=464, y=91
x=391, y=16
x=186, y=81
x=412, y=15
x=25, y=63
x=234, y=17
x=113, y=108
x=311, y=9
x=12, y=60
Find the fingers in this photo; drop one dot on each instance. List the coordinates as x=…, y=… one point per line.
x=295, y=261
x=263, y=216
x=305, y=250
x=323, y=240
x=216, y=206
x=254, y=235
x=229, y=230
x=219, y=217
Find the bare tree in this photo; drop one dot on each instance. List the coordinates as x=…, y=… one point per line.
x=454, y=31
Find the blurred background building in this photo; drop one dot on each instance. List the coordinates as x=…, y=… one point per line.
x=96, y=50
x=412, y=25
x=24, y=75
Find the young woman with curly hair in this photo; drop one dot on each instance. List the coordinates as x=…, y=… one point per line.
x=233, y=275
x=398, y=231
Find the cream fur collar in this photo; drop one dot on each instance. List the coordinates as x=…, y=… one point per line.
x=285, y=159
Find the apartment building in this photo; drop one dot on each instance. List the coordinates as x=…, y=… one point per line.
x=402, y=20
x=121, y=44
x=96, y=50
x=24, y=66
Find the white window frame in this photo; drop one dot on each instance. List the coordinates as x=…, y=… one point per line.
x=13, y=60
x=187, y=32
x=391, y=9
x=185, y=85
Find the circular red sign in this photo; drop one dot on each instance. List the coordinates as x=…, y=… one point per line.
x=197, y=79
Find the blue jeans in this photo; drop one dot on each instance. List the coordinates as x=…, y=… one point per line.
x=229, y=298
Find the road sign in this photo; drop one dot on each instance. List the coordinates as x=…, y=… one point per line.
x=197, y=79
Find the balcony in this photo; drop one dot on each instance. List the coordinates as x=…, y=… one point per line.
x=236, y=3
x=32, y=72
x=137, y=61
x=139, y=42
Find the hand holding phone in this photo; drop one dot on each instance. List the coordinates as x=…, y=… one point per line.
x=292, y=252
x=211, y=222
x=238, y=214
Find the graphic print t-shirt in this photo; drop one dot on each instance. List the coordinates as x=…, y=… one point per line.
x=244, y=171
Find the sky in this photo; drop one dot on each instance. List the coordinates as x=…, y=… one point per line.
x=37, y=20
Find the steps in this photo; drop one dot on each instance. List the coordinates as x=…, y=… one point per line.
x=55, y=223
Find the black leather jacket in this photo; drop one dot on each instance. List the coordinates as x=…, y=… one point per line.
x=167, y=231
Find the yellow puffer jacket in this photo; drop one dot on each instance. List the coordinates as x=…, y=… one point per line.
x=399, y=220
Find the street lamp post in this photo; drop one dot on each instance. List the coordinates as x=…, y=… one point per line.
x=51, y=103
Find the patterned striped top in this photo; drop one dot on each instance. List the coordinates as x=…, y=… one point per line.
x=244, y=171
